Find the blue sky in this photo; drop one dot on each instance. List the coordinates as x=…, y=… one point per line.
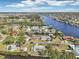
x=39, y=6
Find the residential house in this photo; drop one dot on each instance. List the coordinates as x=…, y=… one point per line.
x=12, y=47
x=27, y=38
x=35, y=29
x=75, y=48
x=24, y=49
x=46, y=38
x=14, y=33
x=68, y=38
x=1, y=38
x=35, y=37
x=38, y=48
x=28, y=29
x=53, y=31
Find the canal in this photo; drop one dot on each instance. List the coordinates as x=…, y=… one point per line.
x=22, y=57
x=67, y=29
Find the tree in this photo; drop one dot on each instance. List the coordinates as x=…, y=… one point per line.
x=20, y=40
x=67, y=55
x=55, y=54
x=57, y=33
x=52, y=54
x=9, y=40
x=71, y=56
x=2, y=57
x=35, y=17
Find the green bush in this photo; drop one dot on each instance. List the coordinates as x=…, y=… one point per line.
x=55, y=54
x=14, y=53
x=9, y=40
x=2, y=57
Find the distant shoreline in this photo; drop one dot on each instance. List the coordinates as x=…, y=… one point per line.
x=35, y=12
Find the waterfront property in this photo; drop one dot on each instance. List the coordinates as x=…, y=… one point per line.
x=35, y=35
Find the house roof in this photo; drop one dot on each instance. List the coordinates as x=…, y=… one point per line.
x=68, y=38
x=1, y=37
x=13, y=33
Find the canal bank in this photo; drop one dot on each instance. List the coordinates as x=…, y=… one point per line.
x=23, y=57
x=67, y=29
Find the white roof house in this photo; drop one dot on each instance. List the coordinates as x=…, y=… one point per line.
x=45, y=38
x=35, y=29
x=11, y=47
x=27, y=38
x=45, y=27
x=53, y=31
x=47, y=30
x=24, y=48
x=75, y=49
x=21, y=19
x=28, y=29
x=38, y=48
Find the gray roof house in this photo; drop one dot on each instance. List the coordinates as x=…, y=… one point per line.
x=12, y=47
x=38, y=48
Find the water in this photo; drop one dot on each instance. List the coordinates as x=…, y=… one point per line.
x=67, y=29
x=22, y=57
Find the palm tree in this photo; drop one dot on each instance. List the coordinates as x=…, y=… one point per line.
x=58, y=34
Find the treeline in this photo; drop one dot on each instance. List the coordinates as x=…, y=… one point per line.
x=55, y=54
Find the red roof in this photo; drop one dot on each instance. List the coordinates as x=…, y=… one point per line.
x=1, y=37
x=68, y=38
x=13, y=33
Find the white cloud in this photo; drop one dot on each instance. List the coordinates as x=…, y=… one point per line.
x=43, y=9
x=37, y=3
x=31, y=3
x=27, y=3
x=75, y=3
x=23, y=4
x=58, y=3
x=37, y=9
x=18, y=5
x=37, y=6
